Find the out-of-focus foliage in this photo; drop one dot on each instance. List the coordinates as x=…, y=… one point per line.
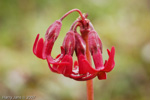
x=122, y=23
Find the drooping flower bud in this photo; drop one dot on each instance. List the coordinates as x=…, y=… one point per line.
x=51, y=36
x=84, y=66
x=65, y=62
x=95, y=47
x=42, y=48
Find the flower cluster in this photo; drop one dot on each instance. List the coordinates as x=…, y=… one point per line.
x=87, y=40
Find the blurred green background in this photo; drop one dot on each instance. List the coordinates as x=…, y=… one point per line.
x=124, y=24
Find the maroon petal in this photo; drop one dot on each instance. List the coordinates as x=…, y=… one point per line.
x=101, y=75
x=109, y=65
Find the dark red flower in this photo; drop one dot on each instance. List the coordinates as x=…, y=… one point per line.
x=81, y=70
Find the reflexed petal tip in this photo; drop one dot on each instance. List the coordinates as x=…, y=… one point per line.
x=109, y=65
x=38, y=47
x=35, y=43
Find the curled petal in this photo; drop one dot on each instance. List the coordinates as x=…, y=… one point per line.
x=65, y=67
x=109, y=65
x=48, y=45
x=35, y=44
x=52, y=68
x=56, y=63
x=38, y=47
x=58, y=58
x=84, y=66
x=51, y=60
